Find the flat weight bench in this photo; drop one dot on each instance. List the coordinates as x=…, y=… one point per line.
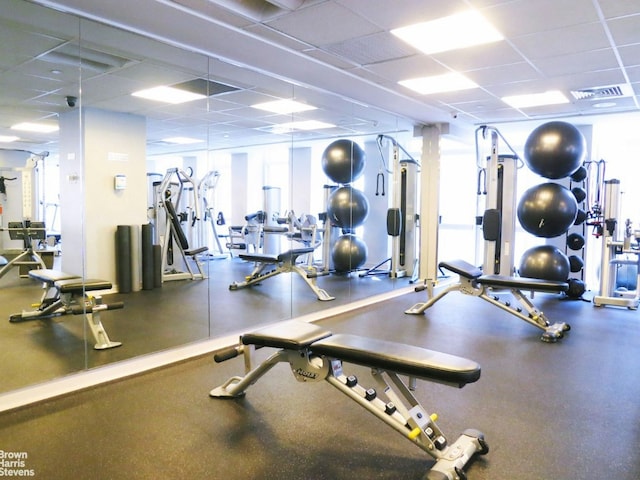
x=315, y=354
x=473, y=282
x=283, y=263
x=67, y=294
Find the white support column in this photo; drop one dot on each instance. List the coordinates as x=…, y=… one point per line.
x=429, y=204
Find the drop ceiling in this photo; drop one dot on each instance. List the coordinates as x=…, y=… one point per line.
x=337, y=55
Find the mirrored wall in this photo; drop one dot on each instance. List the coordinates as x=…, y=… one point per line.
x=171, y=218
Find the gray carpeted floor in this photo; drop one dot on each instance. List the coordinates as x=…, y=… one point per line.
x=549, y=411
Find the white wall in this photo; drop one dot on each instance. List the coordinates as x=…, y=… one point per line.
x=112, y=144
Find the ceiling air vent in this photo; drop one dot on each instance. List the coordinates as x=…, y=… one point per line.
x=598, y=93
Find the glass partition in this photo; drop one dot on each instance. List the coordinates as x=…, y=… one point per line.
x=176, y=215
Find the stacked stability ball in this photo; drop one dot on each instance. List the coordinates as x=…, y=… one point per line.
x=343, y=161
x=547, y=210
x=554, y=150
x=545, y=262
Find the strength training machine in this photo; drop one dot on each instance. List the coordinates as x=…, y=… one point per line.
x=474, y=282
x=66, y=294
x=315, y=354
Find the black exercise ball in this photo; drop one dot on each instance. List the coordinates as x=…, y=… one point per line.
x=575, y=263
x=575, y=241
x=348, y=253
x=555, y=150
x=581, y=217
x=576, y=288
x=579, y=193
x=343, y=161
x=579, y=175
x=547, y=210
x=545, y=262
x=348, y=207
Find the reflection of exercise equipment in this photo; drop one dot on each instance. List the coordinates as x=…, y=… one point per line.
x=283, y=263
x=27, y=231
x=205, y=193
x=402, y=215
x=497, y=179
x=174, y=236
x=617, y=254
x=343, y=161
x=473, y=282
x=66, y=294
x=314, y=355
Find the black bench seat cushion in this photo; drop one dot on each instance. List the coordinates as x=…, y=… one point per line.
x=400, y=358
x=523, y=283
x=462, y=268
x=266, y=258
x=79, y=285
x=50, y=276
x=290, y=335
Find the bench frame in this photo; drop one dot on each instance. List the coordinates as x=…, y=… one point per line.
x=473, y=282
x=67, y=294
x=286, y=262
x=400, y=409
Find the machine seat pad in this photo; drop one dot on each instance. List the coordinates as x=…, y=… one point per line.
x=78, y=285
x=50, y=276
x=399, y=358
x=284, y=256
x=523, y=283
x=290, y=335
x=462, y=268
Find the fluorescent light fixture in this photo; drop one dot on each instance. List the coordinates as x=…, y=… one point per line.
x=283, y=106
x=168, y=95
x=462, y=30
x=8, y=138
x=449, y=82
x=182, y=140
x=303, y=125
x=35, y=127
x=552, y=97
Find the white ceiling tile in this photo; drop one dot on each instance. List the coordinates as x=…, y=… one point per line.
x=625, y=30
x=324, y=24
x=576, y=63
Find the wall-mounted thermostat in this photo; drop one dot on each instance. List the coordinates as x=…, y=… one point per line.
x=120, y=182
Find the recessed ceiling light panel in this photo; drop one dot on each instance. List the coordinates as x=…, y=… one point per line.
x=168, y=95
x=457, y=31
x=552, y=97
x=35, y=127
x=448, y=82
x=284, y=106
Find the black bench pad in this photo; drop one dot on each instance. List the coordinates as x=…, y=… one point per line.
x=78, y=285
x=400, y=358
x=290, y=335
x=468, y=271
x=50, y=276
x=462, y=268
x=523, y=283
x=265, y=258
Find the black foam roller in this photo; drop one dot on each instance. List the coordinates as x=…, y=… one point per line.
x=123, y=258
x=157, y=266
x=147, y=257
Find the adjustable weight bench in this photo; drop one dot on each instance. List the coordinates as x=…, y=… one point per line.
x=473, y=282
x=315, y=354
x=284, y=263
x=68, y=294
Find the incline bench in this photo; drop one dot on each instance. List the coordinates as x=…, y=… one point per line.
x=315, y=354
x=474, y=282
x=283, y=263
x=68, y=294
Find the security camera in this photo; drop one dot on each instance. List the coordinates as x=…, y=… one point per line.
x=71, y=100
